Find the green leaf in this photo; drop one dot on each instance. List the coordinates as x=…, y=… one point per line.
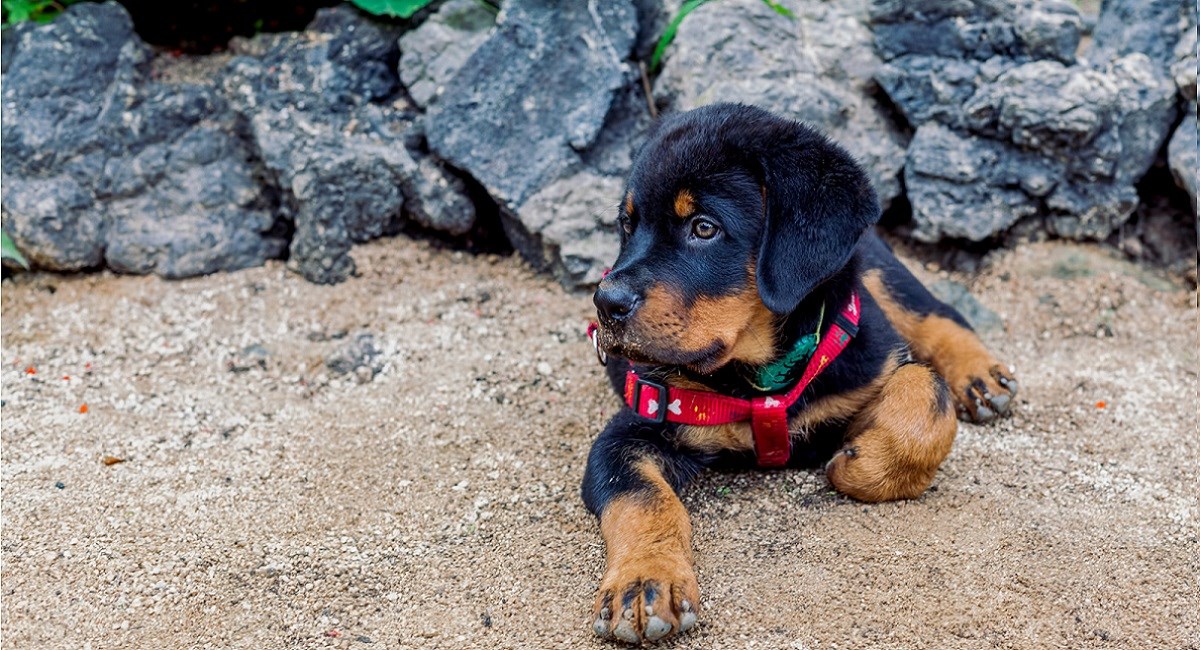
x=779, y=8
x=17, y=11
x=8, y=251
x=668, y=34
x=396, y=8
x=42, y=11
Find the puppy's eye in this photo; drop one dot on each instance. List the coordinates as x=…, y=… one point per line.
x=704, y=229
x=627, y=225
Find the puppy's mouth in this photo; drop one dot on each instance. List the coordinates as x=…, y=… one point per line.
x=703, y=361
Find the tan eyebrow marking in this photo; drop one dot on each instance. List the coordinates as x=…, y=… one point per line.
x=685, y=204
x=629, y=203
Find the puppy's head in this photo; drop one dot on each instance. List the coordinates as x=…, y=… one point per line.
x=730, y=218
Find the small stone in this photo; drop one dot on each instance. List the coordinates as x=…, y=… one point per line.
x=544, y=368
x=60, y=485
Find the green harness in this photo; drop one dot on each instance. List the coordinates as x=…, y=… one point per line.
x=778, y=374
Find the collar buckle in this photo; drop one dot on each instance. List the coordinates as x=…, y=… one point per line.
x=660, y=414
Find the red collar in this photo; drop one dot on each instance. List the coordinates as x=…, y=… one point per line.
x=767, y=415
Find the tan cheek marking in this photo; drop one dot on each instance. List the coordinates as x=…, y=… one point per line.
x=661, y=317
x=685, y=204
x=741, y=322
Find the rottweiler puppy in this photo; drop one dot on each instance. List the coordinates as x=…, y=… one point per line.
x=746, y=239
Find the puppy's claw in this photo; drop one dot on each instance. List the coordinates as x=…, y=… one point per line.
x=656, y=628
x=600, y=627
x=687, y=621
x=625, y=632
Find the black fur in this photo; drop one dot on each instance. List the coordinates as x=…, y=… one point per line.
x=800, y=210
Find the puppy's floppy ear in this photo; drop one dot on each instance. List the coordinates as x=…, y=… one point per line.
x=818, y=203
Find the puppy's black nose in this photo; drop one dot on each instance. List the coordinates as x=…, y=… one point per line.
x=615, y=302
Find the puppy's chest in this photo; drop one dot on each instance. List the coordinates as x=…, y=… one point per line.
x=739, y=436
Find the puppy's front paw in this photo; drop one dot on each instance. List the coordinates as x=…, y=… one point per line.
x=647, y=599
x=984, y=392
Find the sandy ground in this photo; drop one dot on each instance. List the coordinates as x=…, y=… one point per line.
x=280, y=505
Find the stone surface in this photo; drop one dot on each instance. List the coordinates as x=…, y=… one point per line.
x=1152, y=27
x=977, y=29
x=547, y=108
x=431, y=54
x=1008, y=128
x=575, y=219
x=1181, y=154
x=103, y=166
x=818, y=67
x=303, y=140
x=534, y=94
x=333, y=136
x=357, y=351
x=1183, y=68
x=982, y=319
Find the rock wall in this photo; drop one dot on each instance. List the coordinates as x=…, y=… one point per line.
x=981, y=113
x=1010, y=127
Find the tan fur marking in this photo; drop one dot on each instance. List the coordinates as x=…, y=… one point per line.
x=629, y=204
x=740, y=322
x=648, y=537
x=956, y=353
x=735, y=436
x=897, y=444
x=685, y=204
x=654, y=523
x=843, y=407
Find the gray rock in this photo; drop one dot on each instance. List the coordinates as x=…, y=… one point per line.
x=432, y=53
x=569, y=227
x=1183, y=68
x=1152, y=27
x=653, y=18
x=534, y=95
x=1181, y=154
x=544, y=116
x=103, y=166
x=575, y=224
x=977, y=29
x=969, y=188
x=356, y=352
x=818, y=68
x=438, y=199
x=333, y=137
x=1007, y=128
x=251, y=357
x=982, y=319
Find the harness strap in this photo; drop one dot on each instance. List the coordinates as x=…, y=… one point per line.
x=767, y=415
